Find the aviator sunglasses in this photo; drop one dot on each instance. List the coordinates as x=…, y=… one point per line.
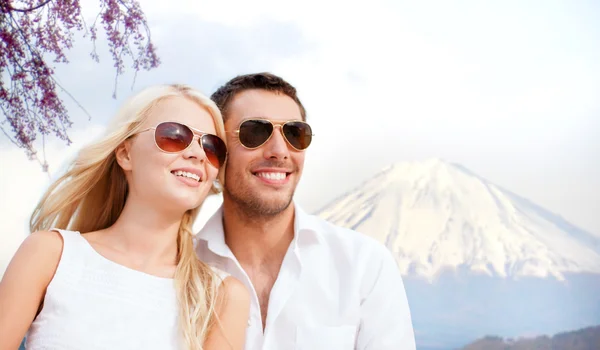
x=254, y=133
x=173, y=137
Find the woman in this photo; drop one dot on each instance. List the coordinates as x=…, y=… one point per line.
x=125, y=274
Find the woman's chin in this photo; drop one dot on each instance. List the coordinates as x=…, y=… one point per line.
x=187, y=203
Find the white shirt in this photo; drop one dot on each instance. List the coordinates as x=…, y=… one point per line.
x=337, y=290
x=94, y=303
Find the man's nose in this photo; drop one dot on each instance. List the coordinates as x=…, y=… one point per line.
x=277, y=147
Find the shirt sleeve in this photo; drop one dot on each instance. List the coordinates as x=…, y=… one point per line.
x=386, y=322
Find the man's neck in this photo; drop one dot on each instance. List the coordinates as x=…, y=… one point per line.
x=258, y=240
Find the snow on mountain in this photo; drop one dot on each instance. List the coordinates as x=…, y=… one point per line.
x=434, y=215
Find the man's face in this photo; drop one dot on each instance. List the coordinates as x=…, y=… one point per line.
x=262, y=181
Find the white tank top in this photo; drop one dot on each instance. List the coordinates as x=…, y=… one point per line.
x=95, y=303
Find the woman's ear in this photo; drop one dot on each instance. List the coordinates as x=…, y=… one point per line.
x=123, y=155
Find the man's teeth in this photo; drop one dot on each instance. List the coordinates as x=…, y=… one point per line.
x=272, y=176
x=187, y=174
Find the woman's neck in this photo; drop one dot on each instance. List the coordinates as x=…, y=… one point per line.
x=146, y=233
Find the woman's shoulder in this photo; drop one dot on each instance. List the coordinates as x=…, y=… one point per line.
x=230, y=287
x=36, y=259
x=234, y=293
x=45, y=250
x=220, y=273
x=43, y=244
x=229, y=284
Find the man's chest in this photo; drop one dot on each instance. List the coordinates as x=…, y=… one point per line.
x=303, y=313
x=263, y=282
x=312, y=303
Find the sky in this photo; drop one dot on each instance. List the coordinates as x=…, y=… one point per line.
x=507, y=89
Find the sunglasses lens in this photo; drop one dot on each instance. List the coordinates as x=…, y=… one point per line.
x=173, y=137
x=298, y=134
x=215, y=150
x=254, y=133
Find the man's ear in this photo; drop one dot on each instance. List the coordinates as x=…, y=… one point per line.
x=123, y=155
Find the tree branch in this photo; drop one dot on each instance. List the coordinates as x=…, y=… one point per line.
x=10, y=8
x=29, y=99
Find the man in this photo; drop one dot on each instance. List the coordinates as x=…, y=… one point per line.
x=313, y=285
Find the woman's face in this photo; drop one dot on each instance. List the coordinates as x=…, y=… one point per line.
x=175, y=181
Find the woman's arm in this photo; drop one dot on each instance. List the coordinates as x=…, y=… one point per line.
x=24, y=284
x=232, y=312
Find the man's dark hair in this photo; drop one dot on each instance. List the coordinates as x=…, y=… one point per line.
x=263, y=81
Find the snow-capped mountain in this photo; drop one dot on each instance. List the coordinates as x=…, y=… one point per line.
x=434, y=215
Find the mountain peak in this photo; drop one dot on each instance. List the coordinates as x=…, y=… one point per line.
x=429, y=163
x=436, y=215
x=431, y=169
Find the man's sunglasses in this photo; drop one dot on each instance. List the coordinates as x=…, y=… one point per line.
x=254, y=133
x=173, y=137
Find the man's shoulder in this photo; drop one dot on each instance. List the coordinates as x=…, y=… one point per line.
x=337, y=236
x=334, y=231
x=357, y=255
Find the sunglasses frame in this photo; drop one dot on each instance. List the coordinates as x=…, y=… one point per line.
x=197, y=134
x=280, y=124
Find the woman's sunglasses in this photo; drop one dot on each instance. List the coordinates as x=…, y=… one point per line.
x=254, y=133
x=173, y=137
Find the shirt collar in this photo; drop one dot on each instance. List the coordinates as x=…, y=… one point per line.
x=213, y=234
x=306, y=227
x=306, y=231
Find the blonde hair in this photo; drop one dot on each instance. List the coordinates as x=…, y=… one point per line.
x=91, y=195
